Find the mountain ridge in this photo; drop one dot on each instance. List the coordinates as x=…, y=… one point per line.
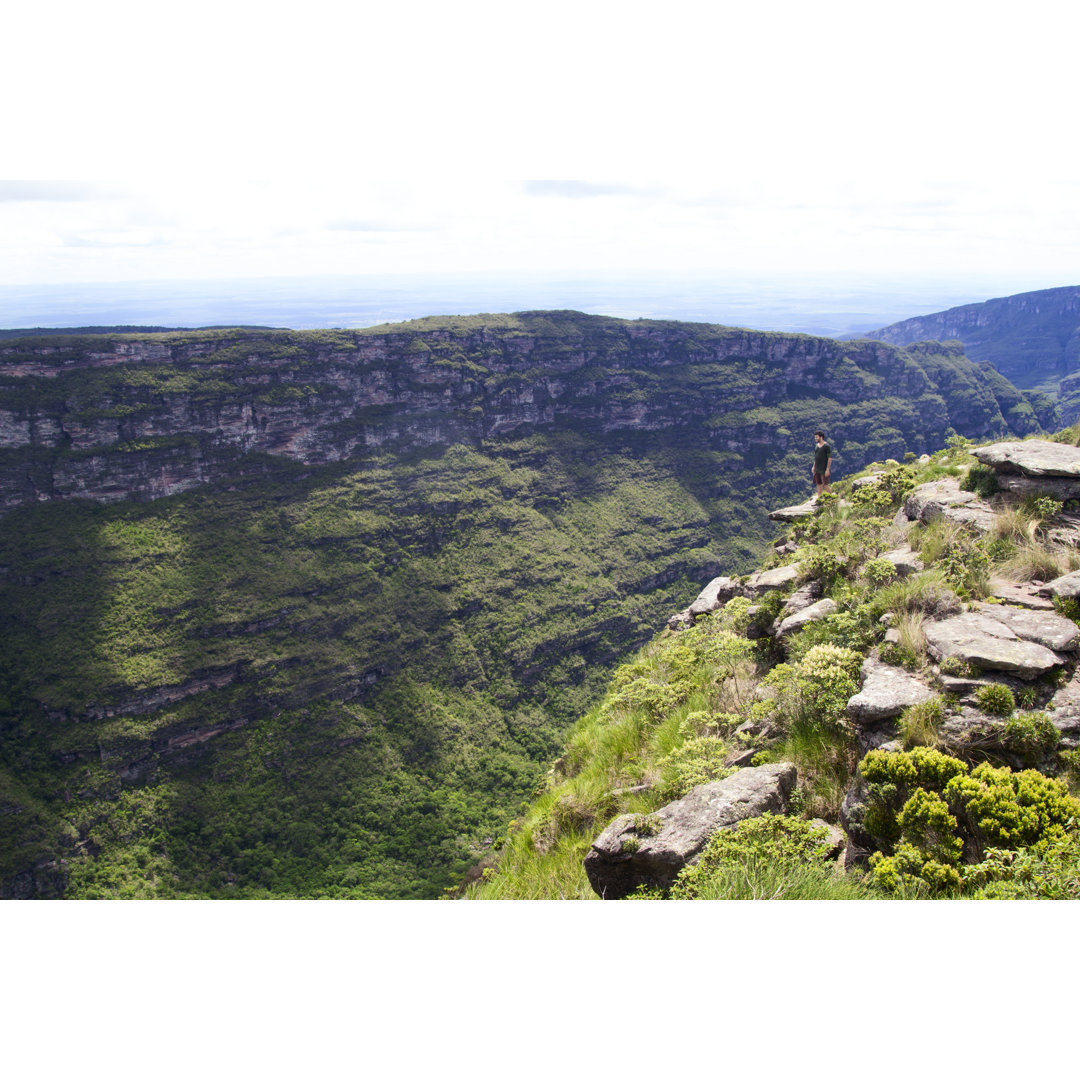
x=1032, y=338
x=306, y=613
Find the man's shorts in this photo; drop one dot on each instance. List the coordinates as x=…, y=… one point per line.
x=819, y=478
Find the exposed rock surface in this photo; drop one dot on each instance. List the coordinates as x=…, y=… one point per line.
x=1020, y=594
x=1067, y=586
x=626, y=854
x=804, y=616
x=1032, y=457
x=987, y=643
x=767, y=580
x=905, y=560
x=801, y=599
x=944, y=498
x=886, y=692
x=1045, y=627
x=795, y=513
x=715, y=595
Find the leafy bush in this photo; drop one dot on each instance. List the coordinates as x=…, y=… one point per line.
x=815, y=690
x=981, y=479
x=1031, y=734
x=1046, y=506
x=948, y=814
x=878, y=572
x=1000, y=808
x=762, y=841
x=822, y=564
x=699, y=760
x=995, y=699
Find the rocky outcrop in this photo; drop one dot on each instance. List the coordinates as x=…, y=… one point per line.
x=944, y=499
x=886, y=692
x=987, y=643
x=650, y=850
x=1020, y=594
x=799, y=512
x=1067, y=586
x=1044, y=627
x=764, y=581
x=807, y=615
x=715, y=595
x=1032, y=457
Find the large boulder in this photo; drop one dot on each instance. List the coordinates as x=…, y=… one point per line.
x=1032, y=457
x=987, y=643
x=715, y=595
x=943, y=498
x=651, y=849
x=768, y=580
x=886, y=692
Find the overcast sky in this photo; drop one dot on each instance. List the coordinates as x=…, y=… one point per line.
x=235, y=140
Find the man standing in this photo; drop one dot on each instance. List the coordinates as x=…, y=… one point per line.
x=822, y=469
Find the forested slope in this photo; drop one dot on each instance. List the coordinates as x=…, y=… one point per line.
x=308, y=614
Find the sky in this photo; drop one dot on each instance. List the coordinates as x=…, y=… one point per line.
x=233, y=140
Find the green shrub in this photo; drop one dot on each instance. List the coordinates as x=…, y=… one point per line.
x=1047, y=873
x=699, y=760
x=958, y=668
x=999, y=808
x=919, y=723
x=981, y=479
x=878, y=572
x=815, y=690
x=1046, y=506
x=892, y=777
x=822, y=564
x=769, y=839
x=995, y=699
x=1031, y=734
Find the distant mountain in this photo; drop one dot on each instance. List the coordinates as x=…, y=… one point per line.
x=52, y=331
x=1032, y=338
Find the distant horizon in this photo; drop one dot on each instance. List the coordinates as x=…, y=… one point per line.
x=826, y=304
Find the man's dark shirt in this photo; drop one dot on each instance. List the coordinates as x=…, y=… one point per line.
x=821, y=458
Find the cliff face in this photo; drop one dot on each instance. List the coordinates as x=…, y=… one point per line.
x=142, y=418
x=1033, y=338
x=306, y=613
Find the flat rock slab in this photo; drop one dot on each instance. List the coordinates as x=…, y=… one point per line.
x=905, y=560
x=1066, y=586
x=806, y=615
x=1033, y=457
x=795, y=513
x=1020, y=595
x=625, y=856
x=767, y=580
x=886, y=692
x=987, y=643
x=943, y=498
x=1045, y=627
